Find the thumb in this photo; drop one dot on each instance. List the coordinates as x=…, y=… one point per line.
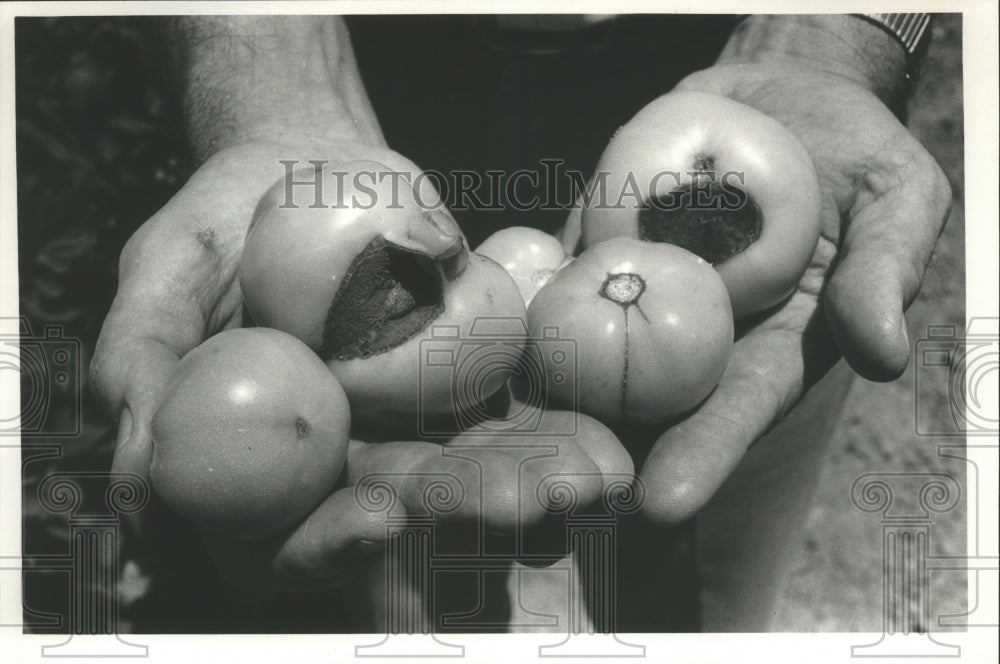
x=885, y=251
x=129, y=376
x=151, y=325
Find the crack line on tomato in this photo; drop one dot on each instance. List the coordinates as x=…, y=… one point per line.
x=624, y=393
x=624, y=289
x=388, y=295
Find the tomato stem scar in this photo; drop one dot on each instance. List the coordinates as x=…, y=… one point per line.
x=624, y=288
x=704, y=162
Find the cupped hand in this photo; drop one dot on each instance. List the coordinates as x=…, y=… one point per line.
x=496, y=479
x=884, y=203
x=178, y=285
x=177, y=282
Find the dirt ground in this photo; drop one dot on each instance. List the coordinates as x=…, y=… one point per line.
x=837, y=585
x=94, y=108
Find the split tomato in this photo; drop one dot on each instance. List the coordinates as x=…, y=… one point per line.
x=652, y=326
x=720, y=179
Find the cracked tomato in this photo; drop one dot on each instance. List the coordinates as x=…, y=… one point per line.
x=720, y=179
x=365, y=267
x=653, y=329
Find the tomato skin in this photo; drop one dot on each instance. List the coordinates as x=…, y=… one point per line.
x=529, y=255
x=252, y=433
x=647, y=362
x=663, y=144
x=399, y=382
x=296, y=260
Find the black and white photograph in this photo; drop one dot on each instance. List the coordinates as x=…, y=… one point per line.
x=446, y=330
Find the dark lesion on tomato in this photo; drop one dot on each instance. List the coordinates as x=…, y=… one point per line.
x=623, y=288
x=389, y=295
x=713, y=220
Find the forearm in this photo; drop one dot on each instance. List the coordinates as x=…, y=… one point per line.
x=837, y=43
x=275, y=78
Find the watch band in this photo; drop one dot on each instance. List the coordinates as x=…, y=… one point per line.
x=910, y=30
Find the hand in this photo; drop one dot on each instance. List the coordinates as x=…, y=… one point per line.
x=884, y=203
x=513, y=488
x=256, y=90
x=178, y=286
x=260, y=90
x=479, y=477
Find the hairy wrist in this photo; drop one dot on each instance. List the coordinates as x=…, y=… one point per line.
x=838, y=44
x=272, y=78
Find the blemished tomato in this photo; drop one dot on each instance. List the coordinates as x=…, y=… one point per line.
x=251, y=435
x=653, y=329
x=366, y=278
x=720, y=179
x=529, y=255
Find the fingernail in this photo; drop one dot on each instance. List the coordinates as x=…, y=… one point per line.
x=454, y=265
x=433, y=233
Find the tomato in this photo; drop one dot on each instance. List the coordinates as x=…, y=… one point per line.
x=368, y=276
x=430, y=374
x=653, y=329
x=718, y=178
x=251, y=435
x=529, y=255
x=298, y=255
